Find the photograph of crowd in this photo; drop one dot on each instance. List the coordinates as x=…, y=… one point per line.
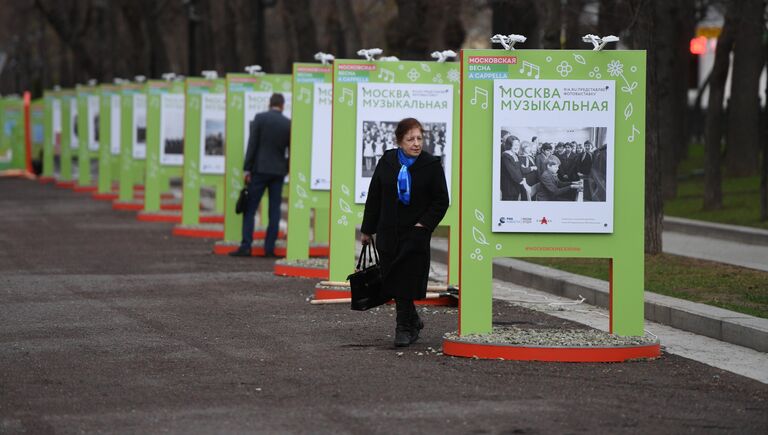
x=95, y=127
x=379, y=136
x=214, y=137
x=553, y=164
x=141, y=129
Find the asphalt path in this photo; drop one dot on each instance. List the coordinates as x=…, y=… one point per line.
x=108, y=324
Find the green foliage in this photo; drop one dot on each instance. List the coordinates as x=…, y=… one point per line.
x=741, y=196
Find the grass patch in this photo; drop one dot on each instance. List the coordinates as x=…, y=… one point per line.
x=741, y=196
x=721, y=285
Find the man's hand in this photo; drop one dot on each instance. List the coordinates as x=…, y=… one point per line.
x=365, y=239
x=247, y=177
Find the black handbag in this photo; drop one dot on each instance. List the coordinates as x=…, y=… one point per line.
x=366, y=282
x=242, y=201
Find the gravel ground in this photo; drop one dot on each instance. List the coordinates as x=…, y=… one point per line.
x=108, y=324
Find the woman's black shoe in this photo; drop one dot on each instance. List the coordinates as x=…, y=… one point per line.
x=240, y=253
x=416, y=326
x=402, y=337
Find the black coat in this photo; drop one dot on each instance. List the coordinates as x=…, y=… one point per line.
x=404, y=248
x=267, y=144
x=511, y=177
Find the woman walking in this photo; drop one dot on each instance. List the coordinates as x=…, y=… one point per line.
x=407, y=199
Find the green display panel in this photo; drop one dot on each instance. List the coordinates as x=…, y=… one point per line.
x=133, y=139
x=12, y=148
x=583, y=99
x=69, y=139
x=157, y=175
x=87, y=130
x=247, y=95
x=369, y=98
x=109, y=136
x=37, y=128
x=204, y=142
x=310, y=159
x=52, y=131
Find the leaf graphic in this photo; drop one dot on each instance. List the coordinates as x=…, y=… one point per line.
x=345, y=189
x=580, y=59
x=300, y=190
x=344, y=206
x=302, y=178
x=628, y=110
x=479, y=216
x=479, y=236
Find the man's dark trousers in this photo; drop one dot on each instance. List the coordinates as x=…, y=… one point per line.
x=259, y=183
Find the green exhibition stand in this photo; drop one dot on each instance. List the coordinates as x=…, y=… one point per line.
x=310, y=161
x=548, y=94
x=51, y=134
x=133, y=134
x=69, y=140
x=372, y=97
x=204, y=145
x=12, y=148
x=109, y=143
x=88, y=133
x=247, y=95
x=157, y=175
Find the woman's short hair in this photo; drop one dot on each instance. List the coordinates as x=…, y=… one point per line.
x=406, y=125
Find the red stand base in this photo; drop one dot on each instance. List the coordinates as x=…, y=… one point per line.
x=327, y=293
x=45, y=180
x=83, y=189
x=558, y=354
x=158, y=217
x=221, y=248
x=214, y=231
x=301, y=272
x=109, y=196
x=65, y=184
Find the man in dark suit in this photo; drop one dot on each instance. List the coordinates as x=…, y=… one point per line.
x=266, y=165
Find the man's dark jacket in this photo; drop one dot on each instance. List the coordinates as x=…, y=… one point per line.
x=267, y=144
x=385, y=215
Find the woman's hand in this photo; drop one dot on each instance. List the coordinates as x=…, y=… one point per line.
x=365, y=239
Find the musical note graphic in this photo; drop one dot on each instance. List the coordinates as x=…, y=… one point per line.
x=237, y=102
x=304, y=92
x=632, y=137
x=346, y=95
x=387, y=75
x=483, y=93
x=531, y=68
x=266, y=86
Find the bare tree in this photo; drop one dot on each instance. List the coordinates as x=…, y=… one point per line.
x=516, y=16
x=299, y=29
x=349, y=28
x=713, y=191
x=549, y=12
x=71, y=20
x=572, y=18
x=743, y=143
x=422, y=26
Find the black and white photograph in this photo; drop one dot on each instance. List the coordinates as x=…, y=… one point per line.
x=214, y=137
x=553, y=164
x=139, y=126
x=172, y=129
x=379, y=136
x=553, y=169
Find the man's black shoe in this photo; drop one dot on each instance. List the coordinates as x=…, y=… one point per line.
x=240, y=253
x=270, y=255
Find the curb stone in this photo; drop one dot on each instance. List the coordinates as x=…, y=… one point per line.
x=725, y=325
x=735, y=233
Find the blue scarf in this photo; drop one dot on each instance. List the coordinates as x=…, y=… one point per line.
x=404, y=177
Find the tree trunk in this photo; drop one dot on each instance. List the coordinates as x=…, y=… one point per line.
x=231, y=62
x=158, y=54
x=611, y=19
x=743, y=144
x=549, y=15
x=205, y=38
x=348, y=24
x=573, y=33
x=671, y=48
x=644, y=37
x=764, y=172
x=299, y=29
x=518, y=17
x=713, y=193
